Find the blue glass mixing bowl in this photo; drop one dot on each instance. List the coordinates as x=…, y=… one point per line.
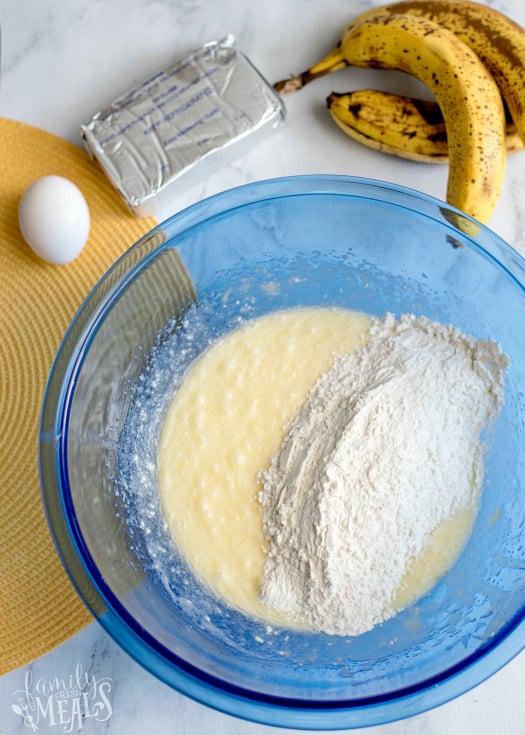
x=320, y=240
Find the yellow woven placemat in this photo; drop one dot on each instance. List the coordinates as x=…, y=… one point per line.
x=39, y=608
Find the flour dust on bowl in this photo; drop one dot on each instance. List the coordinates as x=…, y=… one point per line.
x=294, y=246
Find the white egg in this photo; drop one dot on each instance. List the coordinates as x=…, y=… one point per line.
x=54, y=219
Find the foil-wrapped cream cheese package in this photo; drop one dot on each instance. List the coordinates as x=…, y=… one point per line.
x=173, y=128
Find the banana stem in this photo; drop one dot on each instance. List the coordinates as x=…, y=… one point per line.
x=333, y=62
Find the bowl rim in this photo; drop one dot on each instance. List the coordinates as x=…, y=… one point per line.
x=67, y=536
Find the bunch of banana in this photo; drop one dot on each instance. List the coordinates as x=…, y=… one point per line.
x=399, y=125
x=469, y=55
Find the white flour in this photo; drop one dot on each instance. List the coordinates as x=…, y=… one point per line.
x=386, y=446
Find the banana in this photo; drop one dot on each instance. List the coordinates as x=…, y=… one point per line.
x=495, y=38
x=398, y=125
x=464, y=90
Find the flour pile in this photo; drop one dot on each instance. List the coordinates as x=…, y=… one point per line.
x=386, y=446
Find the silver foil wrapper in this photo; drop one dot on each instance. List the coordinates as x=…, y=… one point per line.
x=179, y=125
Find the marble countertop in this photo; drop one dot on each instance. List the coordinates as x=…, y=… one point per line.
x=63, y=61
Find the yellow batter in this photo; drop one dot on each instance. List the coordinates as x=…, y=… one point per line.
x=222, y=428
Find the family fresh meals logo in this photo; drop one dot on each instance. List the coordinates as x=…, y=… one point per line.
x=65, y=703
